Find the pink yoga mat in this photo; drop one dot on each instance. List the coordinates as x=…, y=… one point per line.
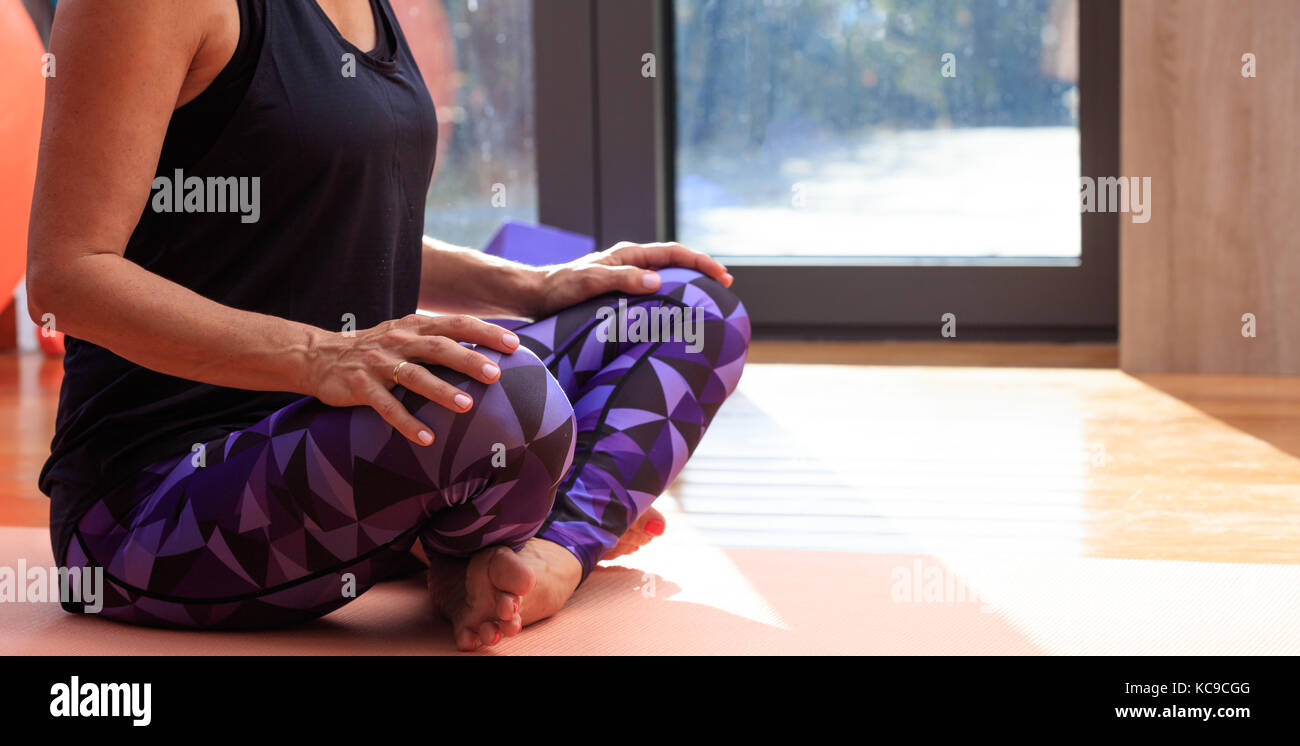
x=675, y=600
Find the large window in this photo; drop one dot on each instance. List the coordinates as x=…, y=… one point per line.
x=865, y=166
x=903, y=128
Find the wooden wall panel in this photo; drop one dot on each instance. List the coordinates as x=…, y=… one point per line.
x=1223, y=152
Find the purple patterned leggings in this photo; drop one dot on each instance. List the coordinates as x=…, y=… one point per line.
x=293, y=517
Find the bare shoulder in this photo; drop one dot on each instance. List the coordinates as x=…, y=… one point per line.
x=199, y=34
x=124, y=66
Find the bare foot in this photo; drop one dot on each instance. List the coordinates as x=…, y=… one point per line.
x=650, y=525
x=481, y=596
x=558, y=573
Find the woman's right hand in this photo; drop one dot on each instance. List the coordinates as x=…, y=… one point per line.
x=357, y=369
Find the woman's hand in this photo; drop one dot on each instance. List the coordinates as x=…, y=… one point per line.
x=625, y=268
x=358, y=370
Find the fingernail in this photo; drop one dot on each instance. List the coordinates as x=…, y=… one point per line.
x=491, y=371
x=510, y=340
x=655, y=527
x=650, y=280
x=463, y=401
x=425, y=437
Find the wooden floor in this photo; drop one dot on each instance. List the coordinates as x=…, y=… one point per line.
x=1080, y=462
x=937, y=354
x=1054, y=491
x=880, y=457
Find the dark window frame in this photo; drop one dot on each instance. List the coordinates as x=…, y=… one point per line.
x=606, y=157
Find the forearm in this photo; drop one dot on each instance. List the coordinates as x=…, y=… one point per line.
x=153, y=322
x=454, y=279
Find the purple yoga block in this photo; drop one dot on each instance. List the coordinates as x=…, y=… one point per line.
x=538, y=245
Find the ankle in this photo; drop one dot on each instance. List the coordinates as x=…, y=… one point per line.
x=558, y=574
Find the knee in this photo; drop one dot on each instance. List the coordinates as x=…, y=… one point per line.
x=724, y=335
x=524, y=423
x=718, y=303
x=514, y=448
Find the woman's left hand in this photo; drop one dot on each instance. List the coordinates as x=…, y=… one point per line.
x=625, y=268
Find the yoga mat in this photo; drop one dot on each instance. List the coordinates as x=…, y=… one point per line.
x=678, y=600
x=681, y=596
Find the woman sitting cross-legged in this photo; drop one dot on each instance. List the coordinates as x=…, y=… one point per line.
x=255, y=426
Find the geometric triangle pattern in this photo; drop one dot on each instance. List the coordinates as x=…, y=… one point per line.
x=644, y=389
x=294, y=516
x=298, y=514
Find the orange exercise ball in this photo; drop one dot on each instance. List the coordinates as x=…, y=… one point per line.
x=22, y=96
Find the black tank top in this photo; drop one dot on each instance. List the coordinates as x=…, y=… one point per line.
x=342, y=142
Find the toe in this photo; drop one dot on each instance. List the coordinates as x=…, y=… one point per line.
x=467, y=639
x=507, y=606
x=511, y=627
x=489, y=633
x=624, y=546
x=652, y=522
x=650, y=525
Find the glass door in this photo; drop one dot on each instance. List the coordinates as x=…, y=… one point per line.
x=917, y=131
x=867, y=167
x=878, y=167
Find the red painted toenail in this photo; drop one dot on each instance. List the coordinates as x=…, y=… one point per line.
x=655, y=527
